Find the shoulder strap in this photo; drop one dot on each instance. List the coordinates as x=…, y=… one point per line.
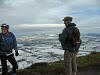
x=0, y=37
x=76, y=34
x=11, y=33
x=70, y=32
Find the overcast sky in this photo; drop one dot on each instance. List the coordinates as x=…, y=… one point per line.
x=22, y=12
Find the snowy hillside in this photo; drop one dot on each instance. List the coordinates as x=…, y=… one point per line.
x=48, y=49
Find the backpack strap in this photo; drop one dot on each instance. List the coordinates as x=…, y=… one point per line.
x=1, y=35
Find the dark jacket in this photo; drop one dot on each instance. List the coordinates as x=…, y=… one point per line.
x=63, y=38
x=7, y=43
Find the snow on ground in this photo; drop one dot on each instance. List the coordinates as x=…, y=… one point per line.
x=48, y=49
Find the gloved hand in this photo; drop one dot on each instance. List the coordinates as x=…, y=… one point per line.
x=16, y=53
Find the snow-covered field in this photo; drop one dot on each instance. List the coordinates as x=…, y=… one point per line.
x=48, y=49
x=45, y=46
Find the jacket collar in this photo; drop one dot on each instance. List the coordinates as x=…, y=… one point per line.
x=71, y=25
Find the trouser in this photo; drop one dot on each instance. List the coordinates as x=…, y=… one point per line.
x=70, y=62
x=12, y=60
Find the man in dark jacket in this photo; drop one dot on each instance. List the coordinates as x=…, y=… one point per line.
x=70, y=50
x=7, y=44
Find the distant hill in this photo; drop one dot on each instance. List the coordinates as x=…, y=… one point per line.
x=93, y=34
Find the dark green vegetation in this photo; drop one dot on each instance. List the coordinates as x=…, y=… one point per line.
x=87, y=65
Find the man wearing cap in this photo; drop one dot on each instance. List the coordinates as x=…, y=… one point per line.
x=7, y=44
x=70, y=52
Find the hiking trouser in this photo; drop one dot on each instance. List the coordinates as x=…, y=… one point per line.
x=12, y=60
x=70, y=62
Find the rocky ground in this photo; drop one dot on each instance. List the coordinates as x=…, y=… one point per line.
x=90, y=70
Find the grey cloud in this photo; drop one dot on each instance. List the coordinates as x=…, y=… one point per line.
x=41, y=11
x=34, y=12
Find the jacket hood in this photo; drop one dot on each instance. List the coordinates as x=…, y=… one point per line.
x=71, y=24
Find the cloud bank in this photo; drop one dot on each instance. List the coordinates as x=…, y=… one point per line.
x=19, y=12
